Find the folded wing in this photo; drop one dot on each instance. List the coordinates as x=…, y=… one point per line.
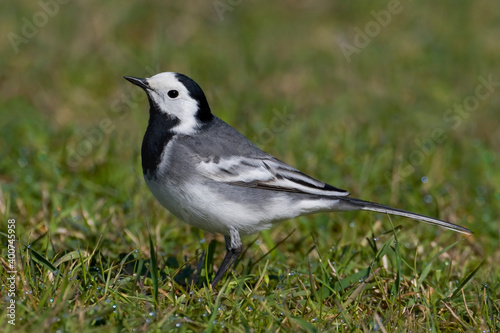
x=265, y=173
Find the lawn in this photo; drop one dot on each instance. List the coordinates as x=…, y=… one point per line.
x=395, y=101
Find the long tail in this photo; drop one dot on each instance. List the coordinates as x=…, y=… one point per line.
x=375, y=207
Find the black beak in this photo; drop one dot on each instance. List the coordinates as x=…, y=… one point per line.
x=143, y=83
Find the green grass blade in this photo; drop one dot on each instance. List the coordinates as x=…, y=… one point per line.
x=67, y=257
x=41, y=260
x=356, y=277
x=427, y=268
x=467, y=279
x=154, y=270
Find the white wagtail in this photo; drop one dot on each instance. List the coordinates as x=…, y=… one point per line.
x=209, y=175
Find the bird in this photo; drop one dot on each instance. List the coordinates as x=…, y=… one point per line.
x=212, y=177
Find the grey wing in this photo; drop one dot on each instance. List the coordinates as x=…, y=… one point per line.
x=264, y=172
x=232, y=159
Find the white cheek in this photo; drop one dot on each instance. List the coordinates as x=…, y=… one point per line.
x=186, y=111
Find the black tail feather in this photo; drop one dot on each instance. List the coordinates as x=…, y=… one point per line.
x=375, y=207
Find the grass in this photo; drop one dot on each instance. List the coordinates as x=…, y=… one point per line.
x=95, y=251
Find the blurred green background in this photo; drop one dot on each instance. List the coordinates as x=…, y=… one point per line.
x=385, y=99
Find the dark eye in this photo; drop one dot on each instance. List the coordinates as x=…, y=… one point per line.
x=173, y=93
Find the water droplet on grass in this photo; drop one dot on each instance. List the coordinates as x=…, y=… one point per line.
x=428, y=199
x=22, y=162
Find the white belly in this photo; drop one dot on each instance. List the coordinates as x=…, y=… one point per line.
x=211, y=211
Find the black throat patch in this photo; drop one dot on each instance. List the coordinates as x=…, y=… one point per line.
x=158, y=135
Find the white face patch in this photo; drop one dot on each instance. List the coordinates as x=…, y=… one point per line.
x=180, y=104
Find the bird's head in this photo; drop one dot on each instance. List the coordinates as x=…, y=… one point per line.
x=178, y=97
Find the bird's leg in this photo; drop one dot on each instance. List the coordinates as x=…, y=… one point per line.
x=233, y=248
